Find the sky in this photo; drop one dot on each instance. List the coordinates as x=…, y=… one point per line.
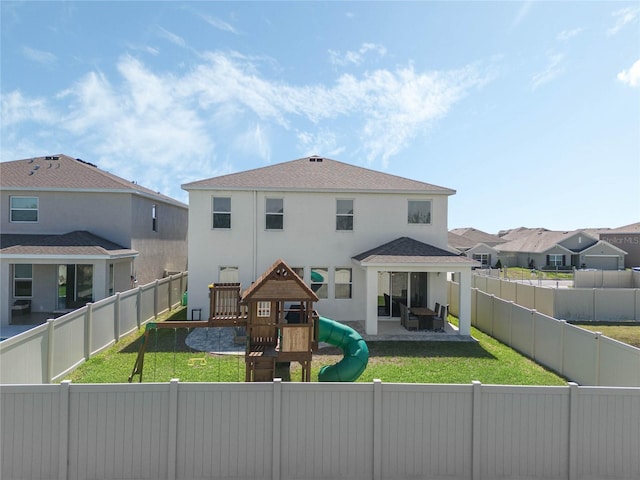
x=530, y=111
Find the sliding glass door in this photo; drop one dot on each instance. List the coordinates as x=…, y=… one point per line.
x=75, y=286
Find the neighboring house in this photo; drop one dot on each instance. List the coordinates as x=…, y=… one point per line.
x=356, y=236
x=546, y=249
x=476, y=244
x=626, y=238
x=72, y=233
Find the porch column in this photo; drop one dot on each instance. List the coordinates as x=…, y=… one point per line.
x=464, y=319
x=371, y=299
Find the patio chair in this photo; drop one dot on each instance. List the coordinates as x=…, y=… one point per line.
x=411, y=322
x=438, y=321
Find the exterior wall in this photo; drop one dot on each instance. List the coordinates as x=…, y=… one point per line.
x=578, y=241
x=308, y=239
x=483, y=249
x=629, y=242
x=164, y=250
x=107, y=215
x=603, y=256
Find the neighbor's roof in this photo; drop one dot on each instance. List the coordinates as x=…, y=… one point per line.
x=478, y=236
x=459, y=242
x=632, y=228
x=541, y=240
x=405, y=250
x=316, y=174
x=73, y=244
x=61, y=172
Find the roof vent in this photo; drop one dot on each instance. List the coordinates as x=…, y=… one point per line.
x=52, y=157
x=315, y=158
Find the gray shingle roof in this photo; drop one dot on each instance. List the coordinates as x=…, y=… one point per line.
x=78, y=243
x=478, y=236
x=61, y=172
x=540, y=241
x=316, y=174
x=408, y=250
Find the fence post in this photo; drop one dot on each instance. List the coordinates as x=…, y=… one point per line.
x=598, y=336
x=277, y=428
x=533, y=334
x=50, y=348
x=377, y=429
x=88, y=325
x=116, y=318
x=573, y=430
x=156, y=300
x=139, y=307
x=476, y=437
x=172, y=438
x=63, y=421
x=170, y=293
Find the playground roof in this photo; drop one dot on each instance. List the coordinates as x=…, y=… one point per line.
x=279, y=282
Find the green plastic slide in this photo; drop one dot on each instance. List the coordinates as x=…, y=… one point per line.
x=354, y=348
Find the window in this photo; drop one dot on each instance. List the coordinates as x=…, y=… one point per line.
x=320, y=281
x=419, y=211
x=483, y=258
x=222, y=212
x=344, y=215
x=298, y=271
x=22, y=280
x=154, y=218
x=228, y=275
x=343, y=282
x=275, y=214
x=264, y=309
x=24, y=209
x=555, y=260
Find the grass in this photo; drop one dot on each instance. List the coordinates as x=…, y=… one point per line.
x=520, y=273
x=168, y=357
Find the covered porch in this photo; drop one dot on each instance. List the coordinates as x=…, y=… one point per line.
x=408, y=275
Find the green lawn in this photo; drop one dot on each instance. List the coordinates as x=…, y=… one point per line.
x=624, y=332
x=488, y=361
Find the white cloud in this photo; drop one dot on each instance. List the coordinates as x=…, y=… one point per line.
x=39, y=56
x=219, y=24
x=168, y=123
x=553, y=70
x=631, y=76
x=567, y=34
x=172, y=37
x=624, y=17
x=355, y=57
x=523, y=11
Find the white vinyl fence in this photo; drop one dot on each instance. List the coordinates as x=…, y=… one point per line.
x=46, y=353
x=583, y=356
x=310, y=431
x=571, y=304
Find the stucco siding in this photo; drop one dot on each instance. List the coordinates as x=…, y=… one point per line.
x=308, y=238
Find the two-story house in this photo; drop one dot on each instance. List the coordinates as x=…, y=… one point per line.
x=72, y=233
x=356, y=236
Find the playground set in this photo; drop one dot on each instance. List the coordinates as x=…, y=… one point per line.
x=281, y=327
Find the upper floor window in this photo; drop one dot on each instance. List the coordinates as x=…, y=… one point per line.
x=344, y=215
x=221, y=212
x=24, y=209
x=343, y=282
x=419, y=211
x=275, y=214
x=154, y=218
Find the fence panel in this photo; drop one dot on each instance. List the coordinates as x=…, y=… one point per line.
x=525, y=432
x=69, y=334
x=580, y=355
x=147, y=305
x=224, y=431
x=23, y=358
x=608, y=433
x=502, y=311
x=574, y=304
x=30, y=433
x=545, y=300
x=548, y=342
x=615, y=304
x=327, y=431
x=619, y=363
x=426, y=431
x=163, y=294
x=493, y=286
x=128, y=312
x=508, y=291
x=484, y=313
x=118, y=431
x=522, y=336
x=526, y=295
x=103, y=317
